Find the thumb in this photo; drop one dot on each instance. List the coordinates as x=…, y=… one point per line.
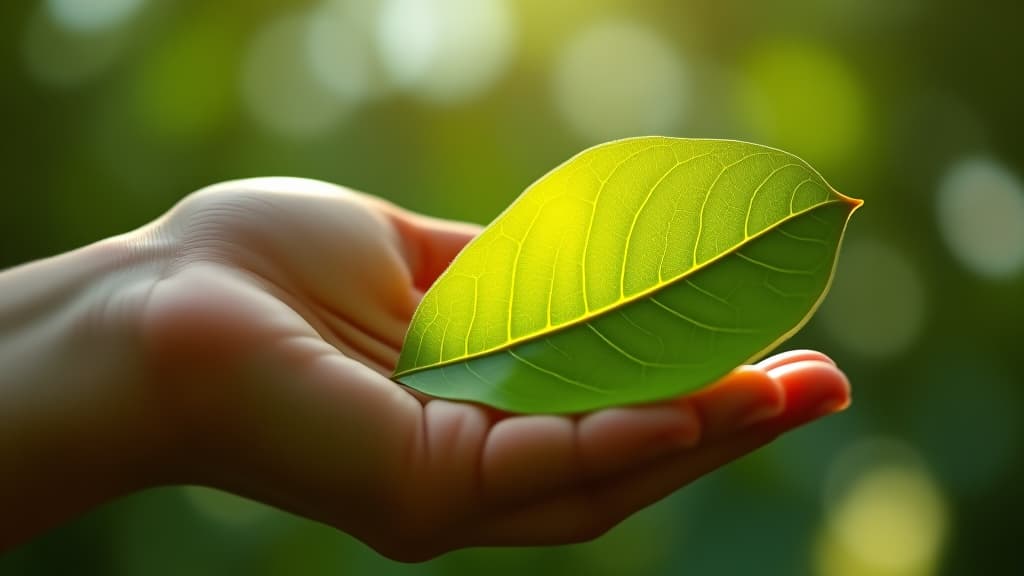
x=430, y=244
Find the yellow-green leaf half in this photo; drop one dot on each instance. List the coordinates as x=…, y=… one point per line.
x=639, y=270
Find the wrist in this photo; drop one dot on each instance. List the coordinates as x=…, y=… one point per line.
x=79, y=425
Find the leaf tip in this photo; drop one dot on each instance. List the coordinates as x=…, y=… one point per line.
x=854, y=203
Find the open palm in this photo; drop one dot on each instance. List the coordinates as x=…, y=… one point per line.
x=277, y=318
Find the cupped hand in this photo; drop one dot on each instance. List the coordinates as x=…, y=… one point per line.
x=270, y=334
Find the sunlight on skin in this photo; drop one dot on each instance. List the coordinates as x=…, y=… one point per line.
x=271, y=312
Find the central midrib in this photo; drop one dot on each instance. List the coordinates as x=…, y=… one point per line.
x=623, y=301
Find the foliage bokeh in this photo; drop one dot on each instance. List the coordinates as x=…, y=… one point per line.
x=115, y=109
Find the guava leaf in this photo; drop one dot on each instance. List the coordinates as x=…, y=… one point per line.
x=638, y=270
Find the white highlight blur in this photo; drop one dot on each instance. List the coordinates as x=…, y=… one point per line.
x=340, y=48
x=59, y=56
x=92, y=15
x=445, y=51
x=279, y=86
x=876, y=307
x=980, y=211
x=618, y=79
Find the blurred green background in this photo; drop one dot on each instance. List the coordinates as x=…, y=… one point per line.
x=114, y=109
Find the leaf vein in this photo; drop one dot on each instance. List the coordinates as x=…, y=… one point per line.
x=593, y=213
x=472, y=316
x=627, y=355
x=750, y=205
x=555, y=374
x=515, y=268
x=636, y=216
x=802, y=238
x=796, y=189
x=710, y=327
x=704, y=204
x=774, y=268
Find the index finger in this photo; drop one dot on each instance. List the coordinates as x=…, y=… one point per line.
x=430, y=244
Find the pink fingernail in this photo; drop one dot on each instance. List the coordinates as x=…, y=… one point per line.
x=831, y=405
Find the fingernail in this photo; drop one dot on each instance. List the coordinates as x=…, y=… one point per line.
x=749, y=396
x=831, y=405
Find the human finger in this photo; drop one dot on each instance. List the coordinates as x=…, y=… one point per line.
x=811, y=388
x=790, y=357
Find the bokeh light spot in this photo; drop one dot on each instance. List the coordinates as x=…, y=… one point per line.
x=876, y=306
x=980, y=210
x=58, y=56
x=340, y=47
x=805, y=99
x=92, y=15
x=445, y=51
x=618, y=79
x=279, y=87
x=546, y=24
x=889, y=517
x=223, y=507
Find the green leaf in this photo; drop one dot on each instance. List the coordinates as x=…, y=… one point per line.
x=639, y=270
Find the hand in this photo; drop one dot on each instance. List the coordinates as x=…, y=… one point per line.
x=269, y=329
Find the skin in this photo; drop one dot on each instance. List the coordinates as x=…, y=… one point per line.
x=244, y=341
